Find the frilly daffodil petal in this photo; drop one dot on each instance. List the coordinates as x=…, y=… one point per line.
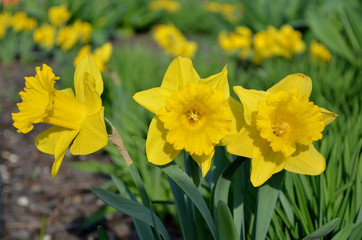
x=265, y=162
x=92, y=135
x=159, y=151
x=250, y=100
x=204, y=162
x=297, y=80
x=152, y=99
x=93, y=101
x=218, y=81
x=237, y=121
x=306, y=160
x=179, y=73
x=87, y=65
x=242, y=144
x=328, y=116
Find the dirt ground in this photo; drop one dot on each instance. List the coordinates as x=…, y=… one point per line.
x=30, y=197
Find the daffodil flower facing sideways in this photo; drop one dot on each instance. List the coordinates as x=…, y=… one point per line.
x=192, y=113
x=281, y=125
x=76, y=118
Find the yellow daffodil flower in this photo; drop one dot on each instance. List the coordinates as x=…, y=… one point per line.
x=168, y=5
x=281, y=125
x=67, y=38
x=101, y=55
x=192, y=113
x=58, y=15
x=75, y=118
x=240, y=40
x=45, y=36
x=21, y=22
x=319, y=51
x=84, y=30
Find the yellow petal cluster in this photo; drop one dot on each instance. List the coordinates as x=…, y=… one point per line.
x=191, y=113
x=227, y=10
x=168, y=5
x=281, y=125
x=238, y=41
x=320, y=52
x=68, y=36
x=5, y=21
x=101, y=55
x=58, y=15
x=170, y=39
x=75, y=118
x=264, y=44
x=45, y=36
x=21, y=22
x=273, y=42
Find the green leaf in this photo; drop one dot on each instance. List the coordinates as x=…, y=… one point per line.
x=356, y=233
x=132, y=208
x=266, y=200
x=322, y=231
x=225, y=222
x=185, y=183
x=144, y=230
x=98, y=216
x=102, y=233
x=188, y=231
x=326, y=32
x=344, y=233
x=224, y=181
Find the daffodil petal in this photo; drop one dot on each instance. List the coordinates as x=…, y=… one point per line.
x=93, y=101
x=328, y=116
x=68, y=91
x=158, y=151
x=250, y=100
x=242, y=144
x=204, y=162
x=297, y=80
x=179, y=73
x=237, y=121
x=92, y=135
x=306, y=160
x=218, y=81
x=63, y=142
x=265, y=162
x=47, y=140
x=152, y=99
x=87, y=65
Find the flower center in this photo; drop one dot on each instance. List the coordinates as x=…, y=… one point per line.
x=286, y=118
x=196, y=118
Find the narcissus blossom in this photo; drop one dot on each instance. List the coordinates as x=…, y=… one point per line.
x=319, y=51
x=192, y=113
x=281, y=125
x=75, y=118
x=59, y=15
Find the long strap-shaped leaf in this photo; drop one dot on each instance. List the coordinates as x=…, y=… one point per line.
x=132, y=208
x=185, y=183
x=267, y=198
x=322, y=231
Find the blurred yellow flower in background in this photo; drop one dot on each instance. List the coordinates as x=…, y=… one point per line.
x=84, y=30
x=75, y=118
x=58, y=15
x=168, y=5
x=21, y=22
x=281, y=125
x=45, y=36
x=67, y=38
x=227, y=10
x=191, y=113
x=173, y=41
x=290, y=41
x=101, y=55
x=5, y=21
x=240, y=40
x=319, y=51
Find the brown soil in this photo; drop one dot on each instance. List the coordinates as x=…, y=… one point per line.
x=31, y=199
